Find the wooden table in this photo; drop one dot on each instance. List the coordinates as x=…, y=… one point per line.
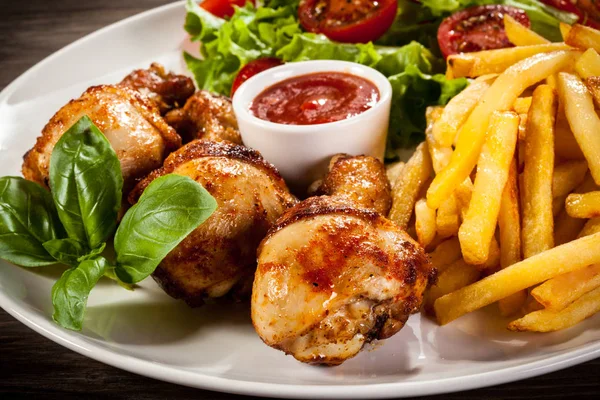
x=33, y=366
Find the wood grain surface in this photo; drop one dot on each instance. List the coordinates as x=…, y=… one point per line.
x=34, y=367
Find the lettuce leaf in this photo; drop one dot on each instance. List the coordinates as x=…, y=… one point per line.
x=274, y=31
x=414, y=89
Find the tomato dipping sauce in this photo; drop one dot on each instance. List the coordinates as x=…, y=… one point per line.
x=316, y=98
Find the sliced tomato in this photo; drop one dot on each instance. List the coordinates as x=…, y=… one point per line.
x=587, y=10
x=223, y=8
x=253, y=68
x=354, y=21
x=477, y=28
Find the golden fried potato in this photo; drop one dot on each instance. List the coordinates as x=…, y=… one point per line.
x=588, y=64
x=586, y=205
x=582, y=117
x=472, y=65
x=478, y=228
x=509, y=224
x=557, y=293
x=407, y=186
x=538, y=220
x=520, y=35
x=539, y=268
x=548, y=321
x=500, y=96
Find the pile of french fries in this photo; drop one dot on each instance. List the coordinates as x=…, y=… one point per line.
x=504, y=193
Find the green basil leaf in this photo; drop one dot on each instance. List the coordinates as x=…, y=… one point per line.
x=111, y=274
x=93, y=253
x=201, y=24
x=86, y=182
x=170, y=208
x=27, y=219
x=67, y=251
x=71, y=291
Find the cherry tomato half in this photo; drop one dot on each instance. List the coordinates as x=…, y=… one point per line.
x=253, y=68
x=587, y=10
x=356, y=21
x=477, y=28
x=223, y=8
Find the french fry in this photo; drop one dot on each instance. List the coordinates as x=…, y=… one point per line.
x=448, y=218
x=476, y=232
x=509, y=225
x=538, y=221
x=424, y=223
x=393, y=171
x=522, y=128
x=440, y=154
x=463, y=194
x=586, y=205
x=590, y=227
x=567, y=176
x=509, y=220
x=520, y=35
x=458, y=109
x=512, y=304
x=500, y=96
x=521, y=105
x=583, y=120
x=557, y=293
x=531, y=305
x=588, y=64
x=565, y=145
x=566, y=228
x=583, y=37
x=493, y=260
x=549, y=321
x=593, y=85
x=485, y=62
x=551, y=81
x=415, y=173
x=445, y=254
x=455, y=276
x=564, y=30
x=539, y=268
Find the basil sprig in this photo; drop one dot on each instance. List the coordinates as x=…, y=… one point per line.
x=71, y=291
x=27, y=220
x=86, y=183
x=71, y=224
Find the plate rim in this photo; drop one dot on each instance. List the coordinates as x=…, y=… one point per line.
x=163, y=372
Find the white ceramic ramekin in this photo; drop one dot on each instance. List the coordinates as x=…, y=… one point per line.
x=302, y=152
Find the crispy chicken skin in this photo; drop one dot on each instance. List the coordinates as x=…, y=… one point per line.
x=206, y=116
x=333, y=273
x=166, y=89
x=131, y=123
x=219, y=257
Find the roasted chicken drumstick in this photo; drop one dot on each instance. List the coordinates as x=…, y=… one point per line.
x=130, y=121
x=333, y=273
x=220, y=256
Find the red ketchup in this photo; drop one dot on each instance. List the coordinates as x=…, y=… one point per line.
x=316, y=98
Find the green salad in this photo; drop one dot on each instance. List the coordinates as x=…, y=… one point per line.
x=407, y=53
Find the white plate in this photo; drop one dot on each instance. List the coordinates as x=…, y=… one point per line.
x=215, y=347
